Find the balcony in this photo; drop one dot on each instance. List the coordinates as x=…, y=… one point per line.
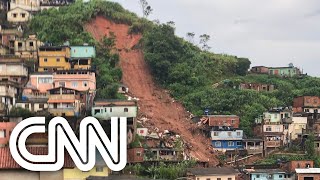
x=62, y=97
x=63, y=111
x=273, y=143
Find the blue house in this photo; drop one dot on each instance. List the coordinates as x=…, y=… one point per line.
x=267, y=174
x=226, y=138
x=81, y=56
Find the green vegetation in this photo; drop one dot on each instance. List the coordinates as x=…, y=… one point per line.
x=180, y=66
x=20, y=112
x=161, y=170
x=190, y=74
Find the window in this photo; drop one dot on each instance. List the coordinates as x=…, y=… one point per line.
x=229, y=133
x=198, y=178
x=286, y=126
x=230, y=143
x=209, y=178
x=26, y=106
x=238, y=133
x=2, y=133
x=62, y=84
x=280, y=176
x=45, y=69
x=277, y=129
x=268, y=128
x=31, y=44
x=306, y=110
x=96, y=111
x=14, y=15
x=232, y=121
x=41, y=106
x=229, y=178
x=74, y=84
x=58, y=59
x=125, y=109
x=218, y=178
x=85, y=83
x=23, y=15
x=138, y=153
x=258, y=175
x=45, y=60
x=110, y=109
x=239, y=143
x=99, y=169
x=217, y=144
x=19, y=44
x=44, y=80
x=215, y=133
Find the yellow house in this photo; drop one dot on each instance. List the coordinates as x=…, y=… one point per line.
x=52, y=58
x=224, y=173
x=76, y=174
x=100, y=170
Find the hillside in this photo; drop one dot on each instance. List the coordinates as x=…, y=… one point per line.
x=161, y=69
x=154, y=103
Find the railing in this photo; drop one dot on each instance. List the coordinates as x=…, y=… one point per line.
x=273, y=143
x=62, y=97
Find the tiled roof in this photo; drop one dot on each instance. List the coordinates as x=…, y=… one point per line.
x=7, y=162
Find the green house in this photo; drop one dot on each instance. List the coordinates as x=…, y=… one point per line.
x=83, y=52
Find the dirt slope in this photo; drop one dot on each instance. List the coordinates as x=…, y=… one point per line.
x=154, y=102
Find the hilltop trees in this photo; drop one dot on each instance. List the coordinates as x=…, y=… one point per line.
x=146, y=8
x=204, y=38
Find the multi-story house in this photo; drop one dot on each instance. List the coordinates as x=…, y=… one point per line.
x=80, y=80
x=276, y=115
x=28, y=5
x=7, y=38
x=65, y=102
x=52, y=58
x=27, y=48
x=273, y=136
x=5, y=131
x=18, y=15
x=47, y=4
x=226, y=138
x=105, y=109
x=81, y=56
x=306, y=104
x=12, y=78
x=39, y=82
x=224, y=120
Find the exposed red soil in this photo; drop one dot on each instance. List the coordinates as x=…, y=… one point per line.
x=154, y=102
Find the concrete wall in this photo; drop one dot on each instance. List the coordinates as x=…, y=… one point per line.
x=13, y=70
x=106, y=113
x=19, y=175
x=224, y=135
x=18, y=15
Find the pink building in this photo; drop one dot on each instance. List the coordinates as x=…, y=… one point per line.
x=5, y=131
x=80, y=80
x=40, y=82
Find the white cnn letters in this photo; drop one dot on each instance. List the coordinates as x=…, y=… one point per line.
x=61, y=137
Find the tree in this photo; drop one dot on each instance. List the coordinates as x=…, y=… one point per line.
x=204, y=38
x=310, y=146
x=146, y=9
x=190, y=36
x=242, y=66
